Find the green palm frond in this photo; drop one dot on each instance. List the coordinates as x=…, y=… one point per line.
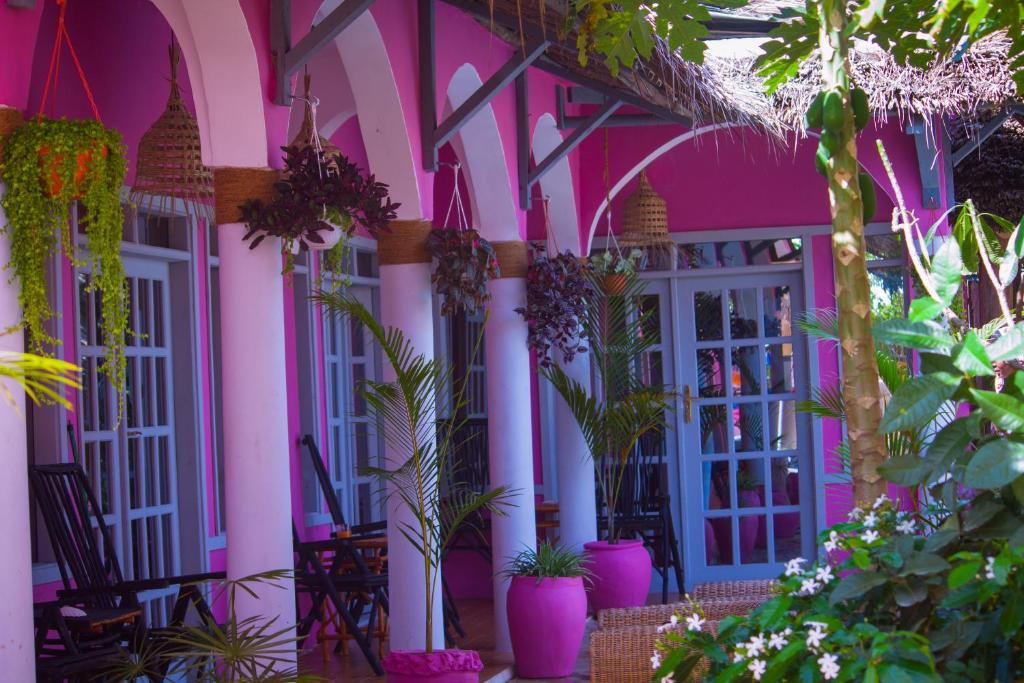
x=825, y=402
x=406, y=412
x=41, y=378
x=820, y=323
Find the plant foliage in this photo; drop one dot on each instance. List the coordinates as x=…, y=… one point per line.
x=406, y=410
x=48, y=165
x=41, y=378
x=548, y=562
x=314, y=192
x=934, y=592
x=464, y=263
x=623, y=409
x=557, y=289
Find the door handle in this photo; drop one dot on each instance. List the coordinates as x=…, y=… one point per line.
x=687, y=404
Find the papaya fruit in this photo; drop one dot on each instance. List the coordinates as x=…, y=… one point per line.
x=830, y=141
x=867, y=196
x=861, y=112
x=812, y=119
x=832, y=110
x=821, y=160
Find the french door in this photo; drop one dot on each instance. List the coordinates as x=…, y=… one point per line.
x=745, y=453
x=131, y=463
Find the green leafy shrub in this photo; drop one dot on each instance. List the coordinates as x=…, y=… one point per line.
x=935, y=592
x=548, y=562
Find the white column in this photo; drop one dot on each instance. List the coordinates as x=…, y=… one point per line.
x=406, y=304
x=17, y=649
x=577, y=504
x=257, y=479
x=509, y=436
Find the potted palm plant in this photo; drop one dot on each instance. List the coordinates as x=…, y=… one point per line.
x=614, y=418
x=406, y=411
x=547, y=610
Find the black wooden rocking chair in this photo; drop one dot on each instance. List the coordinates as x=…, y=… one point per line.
x=108, y=611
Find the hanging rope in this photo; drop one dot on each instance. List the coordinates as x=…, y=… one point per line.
x=456, y=200
x=608, y=196
x=53, y=72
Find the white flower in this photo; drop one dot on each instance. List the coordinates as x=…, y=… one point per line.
x=793, y=567
x=673, y=621
x=871, y=520
x=655, y=660
x=757, y=667
x=855, y=515
x=824, y=574
x=829, y=666
x=739, y=655
x=816, y=635
x=668, y=679
x=880, y=501
x=869, y=536
x=694, y=622
x=756, y=645
x=777, y=641
x=832, y=543
x=809, y=587
x=906, y=527
x=990, y=568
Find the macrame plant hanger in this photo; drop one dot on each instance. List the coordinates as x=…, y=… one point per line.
x=456, y=201
x=612, y=241
x=53, y=72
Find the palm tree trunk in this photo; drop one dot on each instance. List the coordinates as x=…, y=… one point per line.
x=853, y=291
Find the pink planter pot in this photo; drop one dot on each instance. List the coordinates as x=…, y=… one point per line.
x=621, y=574
x=546, y=620
x=440, y=666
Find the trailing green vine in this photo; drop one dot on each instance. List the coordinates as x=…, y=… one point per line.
x=47, y=165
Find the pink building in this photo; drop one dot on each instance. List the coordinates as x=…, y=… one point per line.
x=234, y=365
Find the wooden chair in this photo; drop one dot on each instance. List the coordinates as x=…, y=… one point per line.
x=358, y=532
x=91, y=574
x=341, y=589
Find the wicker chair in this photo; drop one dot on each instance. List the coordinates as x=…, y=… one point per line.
x=723, y=590
x=622, y=655
x=656, y=615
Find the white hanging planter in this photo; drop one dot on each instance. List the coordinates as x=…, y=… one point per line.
x=331, y=237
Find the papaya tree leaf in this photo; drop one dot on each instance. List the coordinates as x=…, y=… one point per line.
x=1005, y=411
x=1009, y=345
x=947, y=267
x=925, y=308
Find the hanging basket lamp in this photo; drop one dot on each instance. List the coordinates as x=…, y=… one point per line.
x=645, y=220
x=169, y=164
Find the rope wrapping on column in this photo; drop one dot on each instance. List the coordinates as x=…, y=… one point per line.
x=233, y=186
x=10, y=119
x=513, y=258
x=404, y=242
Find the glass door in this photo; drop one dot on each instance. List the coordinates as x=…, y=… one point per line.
x=745, y=457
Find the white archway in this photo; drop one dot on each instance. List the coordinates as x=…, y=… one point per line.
x=379, y=108
x=478, y=144
x=225, y=79
x=557, y=186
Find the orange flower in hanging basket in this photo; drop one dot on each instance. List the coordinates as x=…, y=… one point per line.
x=49, y=170
x=613, y=284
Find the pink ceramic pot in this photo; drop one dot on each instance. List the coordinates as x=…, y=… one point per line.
x=546, y=619
x=620, y=574
x=440, y=666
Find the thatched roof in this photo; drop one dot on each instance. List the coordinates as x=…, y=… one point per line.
x=726, y=88
x=993, y=175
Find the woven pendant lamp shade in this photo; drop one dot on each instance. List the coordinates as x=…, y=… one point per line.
x=645, y=220
x=304, y=138
x=169, y=164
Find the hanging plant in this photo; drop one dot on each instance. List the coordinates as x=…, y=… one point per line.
x=465, y=263
x=46, y=165
x=335, y=263
x=557, y=289
x=318, y=198
x=614, y=270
